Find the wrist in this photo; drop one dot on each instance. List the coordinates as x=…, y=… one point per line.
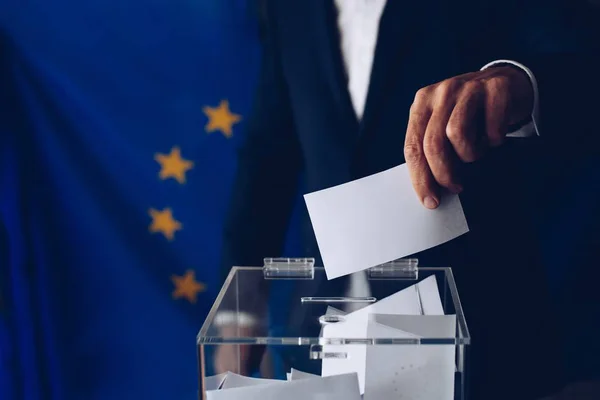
x=532, y=119
x=522, y=94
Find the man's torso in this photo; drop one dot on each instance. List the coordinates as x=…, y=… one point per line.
x=347, y=131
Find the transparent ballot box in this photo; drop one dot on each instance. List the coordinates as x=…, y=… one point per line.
x=284, y=330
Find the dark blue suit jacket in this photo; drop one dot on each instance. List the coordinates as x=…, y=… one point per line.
x=304, y=133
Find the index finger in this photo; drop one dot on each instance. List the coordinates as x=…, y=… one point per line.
x=421, y=176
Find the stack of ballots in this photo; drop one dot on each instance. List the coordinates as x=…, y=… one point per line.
x=404, y=371
x=378, y=372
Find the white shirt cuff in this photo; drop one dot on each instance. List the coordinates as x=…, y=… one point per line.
x=533, y=126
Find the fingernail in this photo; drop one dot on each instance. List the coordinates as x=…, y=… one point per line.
x=431, y=202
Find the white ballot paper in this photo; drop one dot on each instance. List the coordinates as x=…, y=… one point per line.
x=377, y=219
x=214, y=382
x=296, y=375
x=421, y=299
x=339, y=387
x=416, y=372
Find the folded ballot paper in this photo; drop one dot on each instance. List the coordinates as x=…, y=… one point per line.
x=369, y=372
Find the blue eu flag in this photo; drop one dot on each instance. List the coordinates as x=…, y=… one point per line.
x=119, y=123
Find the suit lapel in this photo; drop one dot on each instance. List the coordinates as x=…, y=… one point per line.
x=329, y=52
x=400, y=26
x=399, y=29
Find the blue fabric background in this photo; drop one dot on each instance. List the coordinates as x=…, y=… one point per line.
x=90, y=92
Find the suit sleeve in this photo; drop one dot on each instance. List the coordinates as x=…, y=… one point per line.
x=265, y=184
x=558, y=41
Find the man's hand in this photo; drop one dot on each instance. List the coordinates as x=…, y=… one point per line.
x=455, y=121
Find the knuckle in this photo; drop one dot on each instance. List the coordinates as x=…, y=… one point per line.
x=445, y=88
x=422, y=96
x=419, y=116
x=467, y=155
x=496, y=84
x=472, y=86
x=412, y=152
x=443, y=176
x=455, y=131
x=444, y=179
x=416, y=108
x=433, y=145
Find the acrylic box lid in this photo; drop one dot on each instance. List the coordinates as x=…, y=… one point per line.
x=291, y=302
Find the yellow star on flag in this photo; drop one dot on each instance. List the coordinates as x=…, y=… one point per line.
x=187, y=286
x=163, y=222
x=221, y=118
x=172, y=165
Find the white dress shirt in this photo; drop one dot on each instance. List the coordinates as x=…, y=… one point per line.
x=358, y=24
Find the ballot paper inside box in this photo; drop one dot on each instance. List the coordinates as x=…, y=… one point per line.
x=307, y=339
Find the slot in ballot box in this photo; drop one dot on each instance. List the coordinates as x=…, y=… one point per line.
x=285, y=324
